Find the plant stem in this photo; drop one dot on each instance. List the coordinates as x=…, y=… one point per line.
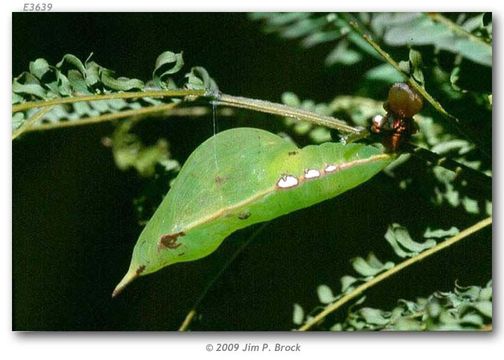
x=456, y=28
x=98, y=97
x=169, y=110
x=190, y=315
x=27, y=125
x=106, y=117
x=288, y=111
x=354, y=133
x=401, y=266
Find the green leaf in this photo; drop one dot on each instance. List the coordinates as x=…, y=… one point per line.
x=92, y=73
x=462, y=309
x=384, y=72
x=303, y=27
x=440, y=233
x=454, y=78
x=39, y=68
x=130, y=152
x=415, y=59
x=121, y=83
x=485, y=308
x=320, y=135
x=16, y=98
x=405, y=324
x=346, y=283
x=317, y=38
x=71, y=77
x=241, y=177
x=73, y=62
x=166, y=64
x=31, y=88
x=370, y=266
x=444, y=147
x=478, y=52
x=279, y=19
x=291, y=99
x=17, y=120
x=325, y=294
x=78, y=83
x=198, y=79
x=375, y=316
x=402, y=243
x=343, y=55
x=298, y=315
x=486, y=293
x=405, y=66
x=64, y=88
x=422, y=30
x=362, y=44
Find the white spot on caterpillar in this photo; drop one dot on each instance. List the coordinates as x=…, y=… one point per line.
x=311, y=174
x=287, y=181
x=330, y=168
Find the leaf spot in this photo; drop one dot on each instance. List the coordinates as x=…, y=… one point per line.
x=140, y=270
x=292, y=153
x=287, y=181
x=169, y=241
x=311, y=174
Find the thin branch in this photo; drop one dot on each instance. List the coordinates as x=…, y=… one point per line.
x=288, y=111
x=98, y=97
x=401, y=266
x=190, y=315
x=106, y=117
x=28, y=124
x=353, y=133
x=164, y=109
x=456, y=28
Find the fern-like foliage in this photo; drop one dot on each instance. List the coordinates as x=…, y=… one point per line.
x=72, y=77
x=467, y=36
x=466, y=308
x=445, y=52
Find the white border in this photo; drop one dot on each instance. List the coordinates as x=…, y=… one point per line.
x=168, y=345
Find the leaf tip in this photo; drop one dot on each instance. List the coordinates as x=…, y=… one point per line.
x=131, y=275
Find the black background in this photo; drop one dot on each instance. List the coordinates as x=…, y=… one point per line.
x=74, y=224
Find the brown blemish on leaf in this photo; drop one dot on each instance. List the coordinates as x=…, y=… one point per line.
x=244, y=215
x=169, y=241
x=140, y=270
x=292, y=153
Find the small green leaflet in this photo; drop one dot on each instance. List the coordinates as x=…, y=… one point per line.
x=241, y=177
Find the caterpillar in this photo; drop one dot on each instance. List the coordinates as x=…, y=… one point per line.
x=241, y=177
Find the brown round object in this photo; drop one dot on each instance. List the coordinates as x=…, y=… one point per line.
x=404, y=101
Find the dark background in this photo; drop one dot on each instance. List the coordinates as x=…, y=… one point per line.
x=74, y=224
